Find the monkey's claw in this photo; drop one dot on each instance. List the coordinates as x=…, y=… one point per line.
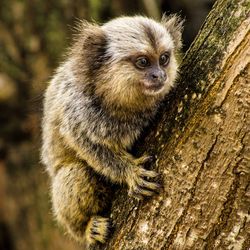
x=139, y=187
x=98, y=228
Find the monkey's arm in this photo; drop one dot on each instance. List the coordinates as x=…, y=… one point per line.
x=115, y=164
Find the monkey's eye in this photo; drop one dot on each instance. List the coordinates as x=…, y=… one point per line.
x=164, y=59
x=142, y=62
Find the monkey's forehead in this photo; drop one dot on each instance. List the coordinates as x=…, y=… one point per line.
x=136, y=35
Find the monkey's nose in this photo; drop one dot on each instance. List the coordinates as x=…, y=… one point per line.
x=158, y=76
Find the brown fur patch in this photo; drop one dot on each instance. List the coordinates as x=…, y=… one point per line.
x=151, y=36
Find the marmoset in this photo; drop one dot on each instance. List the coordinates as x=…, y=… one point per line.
x=97, y=104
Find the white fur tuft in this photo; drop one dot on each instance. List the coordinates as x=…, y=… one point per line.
x=126, y=35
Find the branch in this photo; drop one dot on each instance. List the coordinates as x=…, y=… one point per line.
x=200, y=143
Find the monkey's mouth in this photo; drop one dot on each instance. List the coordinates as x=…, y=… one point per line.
x=152, y=88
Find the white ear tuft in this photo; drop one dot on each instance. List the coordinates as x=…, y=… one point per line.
x=174, y=25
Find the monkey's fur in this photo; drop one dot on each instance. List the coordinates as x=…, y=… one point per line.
x=97, y=104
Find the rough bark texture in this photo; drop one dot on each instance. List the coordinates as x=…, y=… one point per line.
x=202, y=148
x=33, y=39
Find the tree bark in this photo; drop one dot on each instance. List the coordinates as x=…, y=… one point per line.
x=201, y=145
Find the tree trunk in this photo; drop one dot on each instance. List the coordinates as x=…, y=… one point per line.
x=201, y=143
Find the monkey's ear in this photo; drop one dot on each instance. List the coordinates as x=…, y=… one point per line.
x=174, y=25
x=90, y=46
x=88, y=34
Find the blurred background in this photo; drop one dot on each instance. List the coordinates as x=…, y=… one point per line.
x=33, y=38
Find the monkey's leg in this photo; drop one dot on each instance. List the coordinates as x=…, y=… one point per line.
x=78, y=199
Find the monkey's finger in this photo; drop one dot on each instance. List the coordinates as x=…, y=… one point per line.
x=148, y=173
x=145, y=192
x=149, y=185
x=138, y=196
x=143, y=159
x=141, y=193
x=135, y=195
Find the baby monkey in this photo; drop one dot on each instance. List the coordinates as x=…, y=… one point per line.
x=97, y=104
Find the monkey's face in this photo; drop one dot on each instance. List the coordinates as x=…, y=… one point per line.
x=132, y=59
x=153, y=74
x=143, y=63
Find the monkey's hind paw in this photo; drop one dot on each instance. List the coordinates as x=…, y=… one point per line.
x=97, y=229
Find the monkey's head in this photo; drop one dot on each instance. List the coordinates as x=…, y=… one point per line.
x=129, y=61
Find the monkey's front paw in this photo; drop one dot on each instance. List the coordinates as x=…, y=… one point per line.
x=138, y=186
x=97, y=230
